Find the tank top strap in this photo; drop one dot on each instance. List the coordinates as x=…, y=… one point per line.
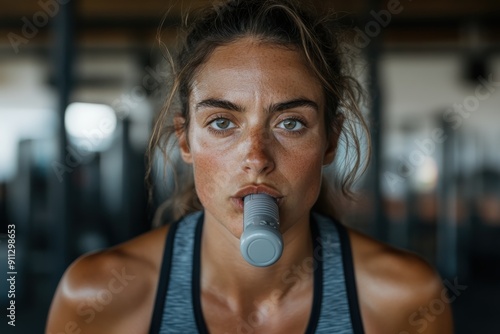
x=339, y=308
x=174, y=310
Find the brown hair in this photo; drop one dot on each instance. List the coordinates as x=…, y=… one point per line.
x=282, y=22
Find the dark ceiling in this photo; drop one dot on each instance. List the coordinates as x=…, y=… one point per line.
x=125, y=22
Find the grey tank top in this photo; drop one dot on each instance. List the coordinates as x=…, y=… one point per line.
x=335, y=306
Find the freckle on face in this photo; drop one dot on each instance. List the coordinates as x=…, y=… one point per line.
x=254, y=76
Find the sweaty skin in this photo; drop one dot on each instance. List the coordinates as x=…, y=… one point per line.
x=257, y=124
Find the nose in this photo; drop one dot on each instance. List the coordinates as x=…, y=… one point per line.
x=258, y=157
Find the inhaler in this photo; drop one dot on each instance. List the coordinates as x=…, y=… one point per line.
x=261, y=243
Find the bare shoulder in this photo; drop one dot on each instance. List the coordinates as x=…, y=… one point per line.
x=110, y=291
x=398, y=291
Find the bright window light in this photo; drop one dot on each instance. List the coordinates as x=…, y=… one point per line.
x=426, y=177
x=18, y=124
x=90, y=126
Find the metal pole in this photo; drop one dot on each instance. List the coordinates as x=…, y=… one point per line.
x=446, y=248
x=63, y=56
x=373, y=54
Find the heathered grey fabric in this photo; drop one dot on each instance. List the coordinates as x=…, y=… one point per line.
x=178, y=314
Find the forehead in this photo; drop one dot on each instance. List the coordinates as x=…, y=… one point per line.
x=248, y=67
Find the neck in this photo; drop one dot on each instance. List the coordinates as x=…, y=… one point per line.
x=225, y=274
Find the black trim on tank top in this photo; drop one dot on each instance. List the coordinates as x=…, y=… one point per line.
x=195, y=279
x=163, y=280
x=318, y=278
x=350, y=279
x=347, y=262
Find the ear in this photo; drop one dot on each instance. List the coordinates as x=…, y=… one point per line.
x=181, y=134
x=333, y=140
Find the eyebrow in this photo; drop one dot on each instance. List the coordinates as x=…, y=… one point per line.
x=218, y=103
x=296, y=103
x=275, y=107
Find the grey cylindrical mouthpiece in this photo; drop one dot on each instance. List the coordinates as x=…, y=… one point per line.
x=261, y=243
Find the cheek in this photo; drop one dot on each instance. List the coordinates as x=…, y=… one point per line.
x=309, y=172
x=209, y=168
x=304, y=170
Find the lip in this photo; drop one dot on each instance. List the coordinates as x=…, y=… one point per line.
x=256, y=189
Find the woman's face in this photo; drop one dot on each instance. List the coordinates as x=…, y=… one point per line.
x=257, y=125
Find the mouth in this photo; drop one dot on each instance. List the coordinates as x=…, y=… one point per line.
x=237, y=199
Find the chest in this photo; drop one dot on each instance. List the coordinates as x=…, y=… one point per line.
x=290, y=316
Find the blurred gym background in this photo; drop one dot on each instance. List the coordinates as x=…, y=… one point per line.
x=81, y=81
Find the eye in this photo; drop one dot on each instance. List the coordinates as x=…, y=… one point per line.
x=291, y=124
x=221, y=124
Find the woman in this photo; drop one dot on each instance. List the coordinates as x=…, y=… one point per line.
x=262, y=101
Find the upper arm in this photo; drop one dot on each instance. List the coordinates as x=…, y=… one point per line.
x=101, y=293
x=429, y=309
x=398, y=291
